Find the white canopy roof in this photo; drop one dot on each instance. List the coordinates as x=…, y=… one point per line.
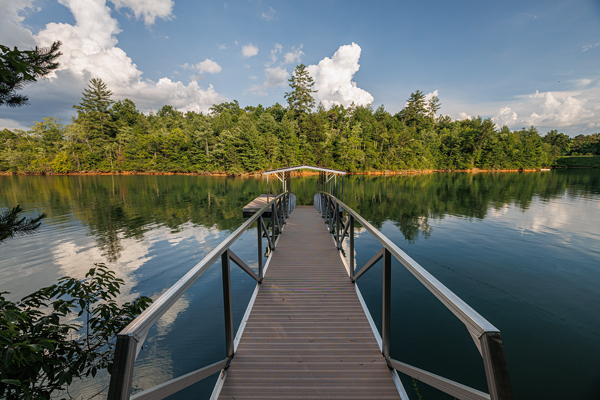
x=296, y=167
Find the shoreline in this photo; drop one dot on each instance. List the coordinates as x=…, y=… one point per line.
x=260, y=173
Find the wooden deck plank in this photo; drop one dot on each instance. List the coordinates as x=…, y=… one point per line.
x=307, y=336
x=256, y=204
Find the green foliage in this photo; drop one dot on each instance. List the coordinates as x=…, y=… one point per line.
x=42, y=352
x=11, y=225
x=579, y=162
x=93, y=111
x=18, y=68
x=416, y=389
x=585, y=145
x=62, y=163
x=236, y=140
x=300, y=97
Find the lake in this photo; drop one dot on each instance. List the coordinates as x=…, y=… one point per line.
x=523, y=249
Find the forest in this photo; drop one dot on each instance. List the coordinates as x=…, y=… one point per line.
x=114, y=136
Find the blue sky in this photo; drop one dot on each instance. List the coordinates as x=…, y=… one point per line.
x=520, y=63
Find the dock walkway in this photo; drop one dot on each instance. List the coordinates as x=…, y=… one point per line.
x=307, y=336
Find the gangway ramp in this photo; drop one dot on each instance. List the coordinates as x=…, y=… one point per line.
x=306, y=332
x=307, y=336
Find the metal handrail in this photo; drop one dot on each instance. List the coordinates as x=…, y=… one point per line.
x=130, y=339
x=486, y=336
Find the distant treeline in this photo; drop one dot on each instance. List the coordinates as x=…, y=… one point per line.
x=109, y=136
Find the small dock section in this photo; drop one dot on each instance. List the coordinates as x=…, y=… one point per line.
x=257, y=204
x=307, y=336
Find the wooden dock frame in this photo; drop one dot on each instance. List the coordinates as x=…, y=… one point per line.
x=306, y=332
x=487, y=338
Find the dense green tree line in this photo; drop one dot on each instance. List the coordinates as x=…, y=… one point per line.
x=112, y=136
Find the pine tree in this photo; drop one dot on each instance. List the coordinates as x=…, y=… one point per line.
x=93, y=111
x=300, y=97
x=433, y=106
x=11, y=225
x=415, y=109
x=18, y=68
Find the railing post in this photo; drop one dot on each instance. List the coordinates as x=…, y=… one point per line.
x=320, y=196
x=272, y=224
x=227, y=303
x=496, y=370
x=122, y=372
x=337, y=225
x=260, y=254
x=277, y=207
x=387, y=302
x=351, y=229
x=331, y=215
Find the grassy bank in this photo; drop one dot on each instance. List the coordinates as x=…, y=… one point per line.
x=578, y=162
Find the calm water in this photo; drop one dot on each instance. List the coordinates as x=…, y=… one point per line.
x=522, y=249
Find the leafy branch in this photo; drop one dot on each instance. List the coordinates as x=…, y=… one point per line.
x=42, y=354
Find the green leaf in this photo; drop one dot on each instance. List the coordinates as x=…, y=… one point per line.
x=7, y=356
x=14, y=382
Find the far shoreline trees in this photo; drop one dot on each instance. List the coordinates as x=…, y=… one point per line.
x=108, y=136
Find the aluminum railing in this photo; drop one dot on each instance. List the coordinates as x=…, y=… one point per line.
x=130, y=339
x=487, y=338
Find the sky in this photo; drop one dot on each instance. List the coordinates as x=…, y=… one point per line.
x=521, y=63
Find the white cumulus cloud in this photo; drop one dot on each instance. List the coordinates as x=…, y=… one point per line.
x=506, y=116
x=249, y=50
x=147, y=9
x=294, y=56
x=463, y=116
x=558, y=109
x=90, y=50
x=333, y=78
x=276, y=77
x=431, y=95
x=207, y=66
x=7, y=123
x=12, y=33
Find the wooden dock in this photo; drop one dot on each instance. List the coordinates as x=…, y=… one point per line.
x=306, y=333
x=307, y=336
x=258, y=203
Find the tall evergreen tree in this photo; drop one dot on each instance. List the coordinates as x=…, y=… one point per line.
x=300, y=97
x=415, y=109
x=433, y=106
x=93, y=111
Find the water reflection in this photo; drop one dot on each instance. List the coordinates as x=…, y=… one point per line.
x=114, y=208
x=521, y=247
x=411, y=201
